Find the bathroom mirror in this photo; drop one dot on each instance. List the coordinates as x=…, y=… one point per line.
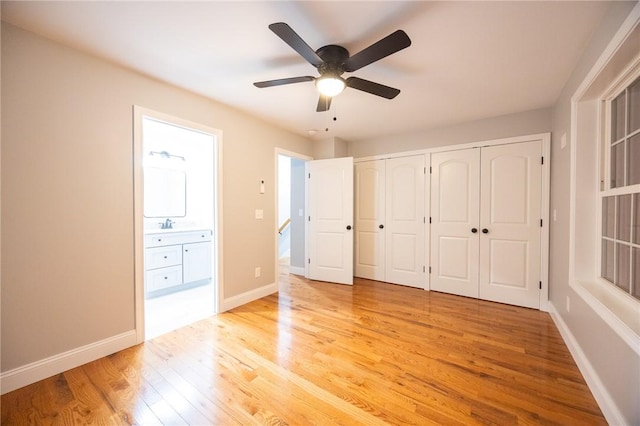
x=165, y=193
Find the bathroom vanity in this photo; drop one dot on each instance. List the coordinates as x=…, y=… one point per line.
x=175, y=257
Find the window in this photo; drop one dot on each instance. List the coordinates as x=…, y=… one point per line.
x=620, y=199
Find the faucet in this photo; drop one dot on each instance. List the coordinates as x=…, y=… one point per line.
x=167, y=224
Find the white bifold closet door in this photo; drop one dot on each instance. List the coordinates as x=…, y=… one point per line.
x=390, y=220
x=486, y=223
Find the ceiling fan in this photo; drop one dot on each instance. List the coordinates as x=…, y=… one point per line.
x=333, y=60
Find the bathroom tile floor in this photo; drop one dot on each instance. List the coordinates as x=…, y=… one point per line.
x=172, y=311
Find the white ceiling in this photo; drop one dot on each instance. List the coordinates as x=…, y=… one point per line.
x=467, y=61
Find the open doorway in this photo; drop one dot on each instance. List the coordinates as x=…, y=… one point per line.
x=291, y=211
x=177, y=223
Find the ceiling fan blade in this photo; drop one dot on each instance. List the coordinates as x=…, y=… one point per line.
x=373, y=88
x=378, y=50
x=280, y=82
x=324, y=103
x=286, y=33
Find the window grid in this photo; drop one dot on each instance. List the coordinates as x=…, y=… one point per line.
x=620, y=228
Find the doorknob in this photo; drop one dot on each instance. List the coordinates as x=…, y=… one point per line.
x=348, y=227
x=381, y=226
x=485, y=231
x=474, y=230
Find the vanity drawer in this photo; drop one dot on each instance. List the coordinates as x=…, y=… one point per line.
x=157, y=279
x=176, y=237
x=159, y=257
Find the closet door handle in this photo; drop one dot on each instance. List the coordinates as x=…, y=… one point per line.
x=381, y=226
x=485, y=231
x=474, y=230
x=348, y=227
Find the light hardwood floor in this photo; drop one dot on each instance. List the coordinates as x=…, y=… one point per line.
x=319, y=353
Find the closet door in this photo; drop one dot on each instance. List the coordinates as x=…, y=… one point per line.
x=511, y=177
x=370, y=219
x=405, y=226
x=455, y=203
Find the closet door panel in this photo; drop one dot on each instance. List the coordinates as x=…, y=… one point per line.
x=455, y=204
x=510, y=214
x=369, y=215
x=405, y=226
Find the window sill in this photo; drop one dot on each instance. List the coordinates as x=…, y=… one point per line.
x=620, y=311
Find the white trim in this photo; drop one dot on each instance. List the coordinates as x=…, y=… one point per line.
x=39, y=370
x=606, y=403
x=295, y=270
x=447, y=148
x=291, y=154
x=138, y=218
x=622, y=301
x=248, y=296
x=546, y=221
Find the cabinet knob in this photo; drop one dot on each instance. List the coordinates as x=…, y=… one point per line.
x=348, y=227
x=485, y=231
x=186, y=250
x=474, y=230
x=165, y=257
x=166, y=278
x=381, y=226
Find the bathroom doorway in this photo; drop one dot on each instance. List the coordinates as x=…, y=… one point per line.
x=177, y=201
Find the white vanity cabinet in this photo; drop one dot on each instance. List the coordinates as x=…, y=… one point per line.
x=174, y=258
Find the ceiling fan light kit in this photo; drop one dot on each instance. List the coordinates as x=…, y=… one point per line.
x=332, y=61
x=329, y=85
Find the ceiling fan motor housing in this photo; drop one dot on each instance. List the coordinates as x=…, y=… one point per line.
x=334, y=57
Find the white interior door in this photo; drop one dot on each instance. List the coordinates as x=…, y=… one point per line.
x=370, y=219
x=405, y=221
x=511, y=177
x=455, y=202
x=330, y=220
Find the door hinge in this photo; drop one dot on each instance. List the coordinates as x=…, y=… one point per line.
x=540, y=223
x=425, y=170
x=541, y=160
x=429, y=269
x=309, y=218
x=424, y=269
x=430, y=169
x=309, y=261
x=429, y=219
x=540, y=285
x=309, y=175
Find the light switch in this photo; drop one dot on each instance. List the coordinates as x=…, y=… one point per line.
x=259, y=214
x=262, y=186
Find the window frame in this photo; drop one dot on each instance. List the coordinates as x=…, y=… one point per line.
x=605, y=143
x=615, y=308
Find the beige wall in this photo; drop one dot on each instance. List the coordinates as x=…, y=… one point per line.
x=67, y=194
x=614, y=362
x=525, y=123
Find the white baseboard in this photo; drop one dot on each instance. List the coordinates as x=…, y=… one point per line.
x=600, y=393
x=39, y=370
x=249, y=296
x=296, y=270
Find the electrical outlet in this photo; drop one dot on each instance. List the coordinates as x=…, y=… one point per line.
x=258, y=272
x=555, y=215
x=259, y=214
x=568, y=304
